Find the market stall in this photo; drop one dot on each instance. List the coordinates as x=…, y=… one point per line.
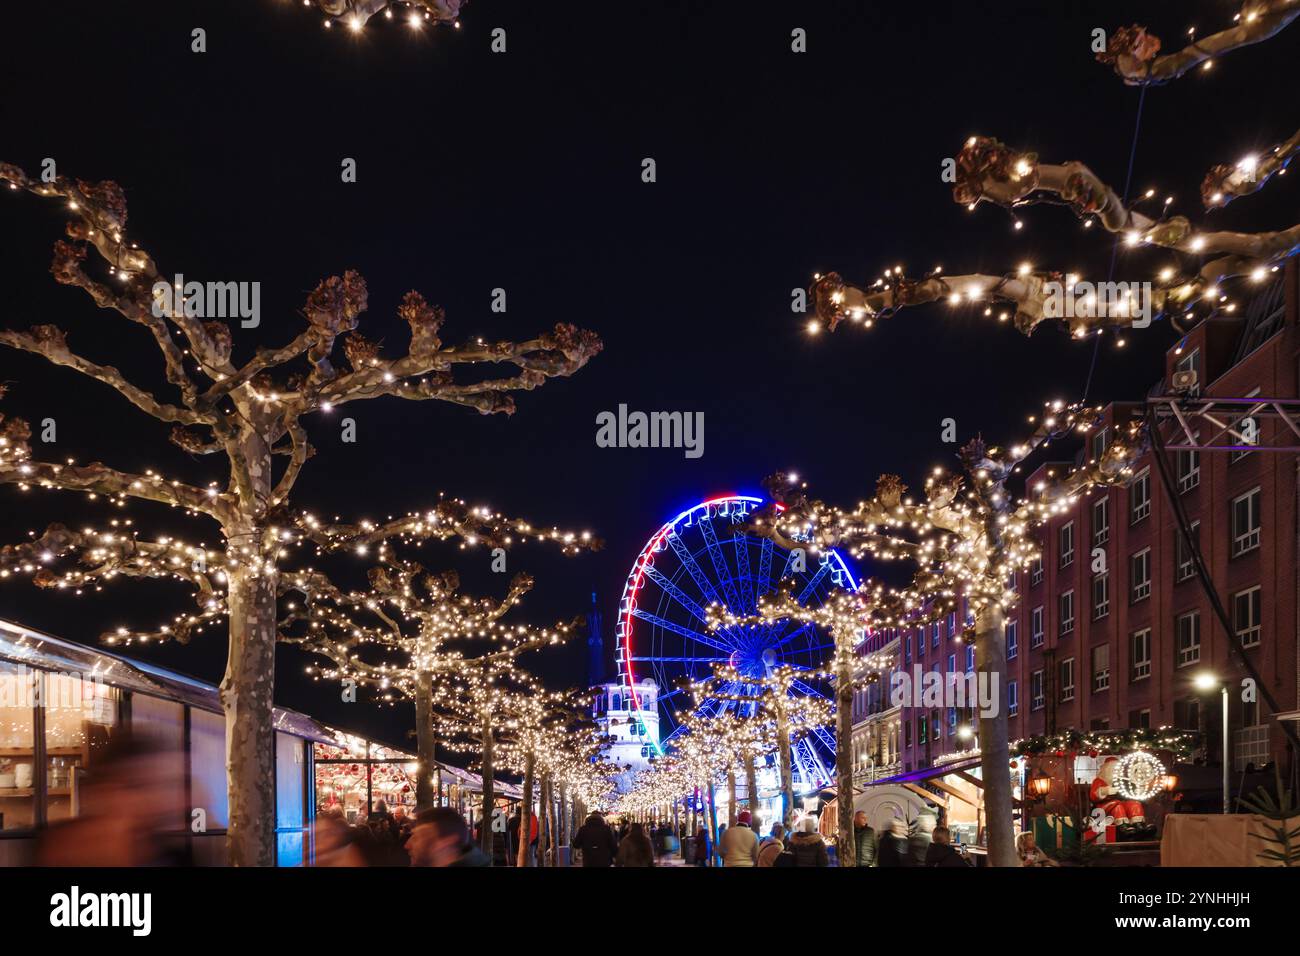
x=1101, y=796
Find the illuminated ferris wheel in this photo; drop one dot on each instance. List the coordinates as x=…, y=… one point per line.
x=695, y=560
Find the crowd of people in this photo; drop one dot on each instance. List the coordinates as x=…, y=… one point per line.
x=441, y=837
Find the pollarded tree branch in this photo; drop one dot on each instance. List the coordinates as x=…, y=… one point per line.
x=449, y=518
x=989, y=170
x=1224, y=183
x=100, y=556
x=1134, y=53
x=100, y=215
x=1034, y=298
x=18, y=468
x=49, y=342
x=355, y=13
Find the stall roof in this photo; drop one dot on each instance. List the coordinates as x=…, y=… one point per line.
x=929, y=773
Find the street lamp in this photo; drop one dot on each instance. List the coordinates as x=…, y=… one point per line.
x=1207, y=681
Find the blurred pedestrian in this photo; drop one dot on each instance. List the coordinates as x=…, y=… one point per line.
x=441, y=838
x=595, y=839
x=635, y=849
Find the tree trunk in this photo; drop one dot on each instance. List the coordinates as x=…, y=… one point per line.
x=247, y=698
x=731, y=796
x=786, y=765
x=751, y=785
x=995, y=754
x=566, y=820
x=547, y=828
x=426, y=744
x=489, y=798
x=713, y=825
x=526, y=811
x=844, y=845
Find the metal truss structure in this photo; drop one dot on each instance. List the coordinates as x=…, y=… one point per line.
x=1229, y=424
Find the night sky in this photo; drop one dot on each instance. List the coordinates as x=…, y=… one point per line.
x=522, y=171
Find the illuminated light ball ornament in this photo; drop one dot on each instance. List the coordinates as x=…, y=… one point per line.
x=1139, y=776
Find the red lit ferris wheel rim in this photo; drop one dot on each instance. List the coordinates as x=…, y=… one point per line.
x=636, y=578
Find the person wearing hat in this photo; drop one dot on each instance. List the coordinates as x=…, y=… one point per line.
x=739, y=846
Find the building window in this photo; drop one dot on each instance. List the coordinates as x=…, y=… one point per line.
x=1067, y=680
x=1100, y=596
x=1189, y=470
x=1036, y=571
x=1187, y=713
x=907, y=733
x=970, y=657
x=1099, y=443
x=1187, y=628
x=952, y=663
x=920, y=644
x=1066, y=619
x=1139, y=497
x=1184, y=562
x=1036, y=627
x=921, y=736
x=1067, y=543
x=1139, y=575
x=952, y=625
x=1139, y=719
x=1036, y=690
x=1245, y=522
x=934, y=635
x=952, y=721
x=1246, y=615
x=1013, y=640
x=1013, y=698
x=907, y=650
x=1100, y=522
x=1140, y=654
x=1100, y=668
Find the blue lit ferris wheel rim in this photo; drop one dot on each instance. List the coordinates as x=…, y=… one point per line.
x=728, y=507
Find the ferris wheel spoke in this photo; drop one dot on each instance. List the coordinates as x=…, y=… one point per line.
x=825, y=737
x=808, y=690
x=810, y=762
x=679, y=660
x=686, y=632
x=816, y=580
x=720, y=567
x=801, y=629
x=742, y=565
x=693, y=568
x=677, y=594
x=764, y=568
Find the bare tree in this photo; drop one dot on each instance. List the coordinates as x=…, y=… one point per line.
x=965, y=538
x=409, y=630
x=246, y=416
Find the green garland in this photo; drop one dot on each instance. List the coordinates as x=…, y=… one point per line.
x=1180, y=743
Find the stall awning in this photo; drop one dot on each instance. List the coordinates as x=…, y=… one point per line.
x=928, y=773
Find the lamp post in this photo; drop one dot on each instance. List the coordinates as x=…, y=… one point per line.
x=1209, y=682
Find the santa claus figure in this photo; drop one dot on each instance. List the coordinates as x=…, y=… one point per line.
x=1127, y=815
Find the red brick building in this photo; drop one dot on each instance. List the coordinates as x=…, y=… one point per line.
x=1113, y=623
